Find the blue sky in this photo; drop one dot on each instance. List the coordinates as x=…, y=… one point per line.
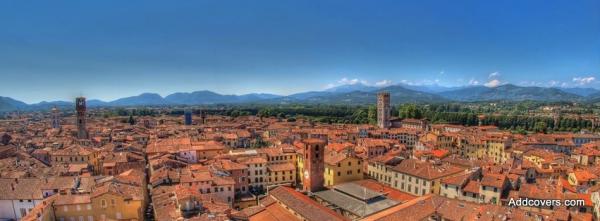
x=56, y=50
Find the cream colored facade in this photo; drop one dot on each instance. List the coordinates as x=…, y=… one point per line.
x=349, y=169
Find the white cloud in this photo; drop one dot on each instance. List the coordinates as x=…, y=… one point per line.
x=493, y=83
x=354, y=81
x=494, y=75
x=583, y=80
x=553, y=83
x=383, y=83
x=330, y=85
x=473, y=82
x=407, y=82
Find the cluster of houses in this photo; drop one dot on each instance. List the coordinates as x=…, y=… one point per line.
x=253, y=168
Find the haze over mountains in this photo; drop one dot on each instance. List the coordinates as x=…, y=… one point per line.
x=353, y=94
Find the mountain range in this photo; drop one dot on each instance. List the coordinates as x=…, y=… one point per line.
x=354, y=94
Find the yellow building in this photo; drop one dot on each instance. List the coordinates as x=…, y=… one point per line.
x=341, y=168
x=73, y=207
x=497, y=145
x=281, y=174
x=112, y=201
x=118, y=201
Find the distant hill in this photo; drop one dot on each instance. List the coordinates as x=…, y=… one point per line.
x=306, y=95
x=593, y=98
x=351, y=88
x=142, y=99
x=433, y=88
x=581, y=91
x=398, y=94
x=209, y=97
x=356, y=94
x=9, y=104
x=509, y=92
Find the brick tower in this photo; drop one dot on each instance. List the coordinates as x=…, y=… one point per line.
x=81, y=109
x=383, y=110
x=314, y=164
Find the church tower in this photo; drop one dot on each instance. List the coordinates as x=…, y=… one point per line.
x=383, y=110
x=314, y=164
x=55, y=118
x=80, y=107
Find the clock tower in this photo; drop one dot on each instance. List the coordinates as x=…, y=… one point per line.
x=314, y=164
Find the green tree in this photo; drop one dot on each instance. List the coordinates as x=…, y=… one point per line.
x=540, y=127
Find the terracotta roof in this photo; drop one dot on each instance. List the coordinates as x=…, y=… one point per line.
x=281, y=167
x=472, y=187
x=274, y=212
x=332, y=158
x=386, y=190
x=426, y=170
x=493, y=180
x=123, y=190
x=303, y=205
x=72, y=199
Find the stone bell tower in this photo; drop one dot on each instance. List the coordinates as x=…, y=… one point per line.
x=80, y=107
x=55, y=118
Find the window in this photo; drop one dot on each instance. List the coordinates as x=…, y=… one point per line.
x=118, y=215
x=78, y=207
x=90, y=218
x=103, y=203
x=112, y=202
x=89, y=207
x=339, y=174
x=65, y=208
x=23, y=212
